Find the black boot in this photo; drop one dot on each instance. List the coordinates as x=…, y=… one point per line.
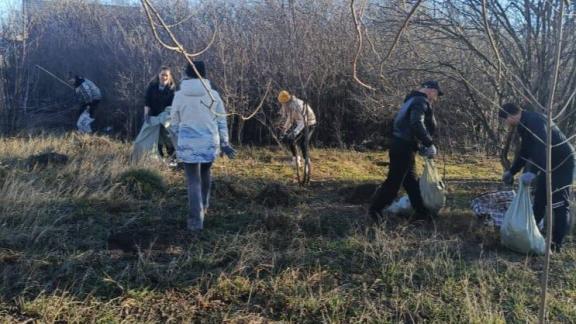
x=376, y=215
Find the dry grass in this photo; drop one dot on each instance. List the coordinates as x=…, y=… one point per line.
x=76, y=245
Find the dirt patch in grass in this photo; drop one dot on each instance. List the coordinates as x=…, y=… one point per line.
x=134, y=239
x=84, y=142
x=141, y=183
x=227, y=189
x=360, y=194
x=277, y=195
x=43, y=160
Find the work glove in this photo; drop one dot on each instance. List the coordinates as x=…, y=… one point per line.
x=229, y=151
x=429, y=151
x=508, y=178
x=527, y=178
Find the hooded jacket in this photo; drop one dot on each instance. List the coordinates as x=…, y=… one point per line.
x=199, y=130
x=415, y=121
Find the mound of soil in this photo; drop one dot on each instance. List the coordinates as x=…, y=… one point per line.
x=358, y=195
x=279, y=222
x=131, y=240
x=90, y=142
x=226, y=189
x=43, y=160
x=142, y=183
x=275, y=195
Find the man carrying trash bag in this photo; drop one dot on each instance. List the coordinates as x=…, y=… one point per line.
x=531, y=127
x=414, y=123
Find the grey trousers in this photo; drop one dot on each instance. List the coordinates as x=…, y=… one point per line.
x=198, y=177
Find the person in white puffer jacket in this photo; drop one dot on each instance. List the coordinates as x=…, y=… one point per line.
x=200, y=130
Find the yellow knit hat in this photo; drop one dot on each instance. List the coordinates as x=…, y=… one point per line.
x=284, y=96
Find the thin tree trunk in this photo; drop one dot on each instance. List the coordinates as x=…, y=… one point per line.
x=550, y=210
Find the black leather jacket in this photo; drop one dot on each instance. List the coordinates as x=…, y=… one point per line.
x=415, y=121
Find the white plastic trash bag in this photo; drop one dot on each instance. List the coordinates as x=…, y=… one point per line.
x=519, y=231
x=401, y=206
x=432, y=187
x=84, y=122
x=146, y=143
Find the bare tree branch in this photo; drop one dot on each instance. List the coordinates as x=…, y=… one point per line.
x=359, y=48
x=563, y=110
x=260, y=105
x=178, y=47
x=398, y=34
x=549, y=197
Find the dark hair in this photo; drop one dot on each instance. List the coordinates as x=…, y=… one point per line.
x=199, y=66
x=77, y=79
x=508, y=109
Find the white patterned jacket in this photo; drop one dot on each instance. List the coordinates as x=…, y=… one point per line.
x=199, y=130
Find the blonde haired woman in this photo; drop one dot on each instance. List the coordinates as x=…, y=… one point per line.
x=296, y=116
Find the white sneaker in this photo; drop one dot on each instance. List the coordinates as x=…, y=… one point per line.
x=308, y=165
x=297, y=161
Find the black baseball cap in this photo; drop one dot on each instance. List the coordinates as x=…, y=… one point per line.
x=508, y=109
x=432, y=84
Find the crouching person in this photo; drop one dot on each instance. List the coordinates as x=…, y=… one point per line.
x=532, y=157
x=89, y=96
x=201, y=134
x=296, y=116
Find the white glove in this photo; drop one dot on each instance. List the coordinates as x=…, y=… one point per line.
x=429, y=152
x=527, y=178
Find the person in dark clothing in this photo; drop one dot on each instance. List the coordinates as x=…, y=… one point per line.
x=532, y=157
x=413, y=124
x=89, y=96
x=159, y=95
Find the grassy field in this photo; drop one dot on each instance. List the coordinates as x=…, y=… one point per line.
x=94, y=239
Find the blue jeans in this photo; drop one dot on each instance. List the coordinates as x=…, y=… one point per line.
x=198, y=177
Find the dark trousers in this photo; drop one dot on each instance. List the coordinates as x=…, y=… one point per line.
x=302, y=140
x=165, y=141
x=199, y=182
x=402, y=171
x=561, y=191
